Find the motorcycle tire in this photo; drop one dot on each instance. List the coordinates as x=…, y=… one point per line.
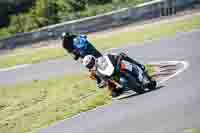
x=116, y=92
x=152, y=85
x=139, y=90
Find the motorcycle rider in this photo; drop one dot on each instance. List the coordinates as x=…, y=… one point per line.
x=98, y=71
x=78, y=45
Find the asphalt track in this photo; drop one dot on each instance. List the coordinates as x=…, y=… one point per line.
x=171, y=109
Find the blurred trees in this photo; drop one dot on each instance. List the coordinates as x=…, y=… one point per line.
x=8, y=7
x=26, y=15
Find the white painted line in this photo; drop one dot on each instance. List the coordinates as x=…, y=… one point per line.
x=14, y=68
x=185, y=66
x=166, y=62
x=110, y=49
x=77, y=115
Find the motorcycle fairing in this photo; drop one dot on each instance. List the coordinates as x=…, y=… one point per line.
x=105, y=66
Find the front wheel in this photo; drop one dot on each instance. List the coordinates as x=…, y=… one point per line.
x=151, y=83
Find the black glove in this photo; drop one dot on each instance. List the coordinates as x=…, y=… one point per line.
x=76, y=57
x=76, y=54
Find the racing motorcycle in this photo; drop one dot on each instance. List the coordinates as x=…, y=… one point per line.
x=126, y=68
x=127, y=72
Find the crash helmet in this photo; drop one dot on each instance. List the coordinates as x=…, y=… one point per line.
x=65, y=35
x=89, y=61
x=67, y=41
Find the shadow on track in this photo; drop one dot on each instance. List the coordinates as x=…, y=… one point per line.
x=136, y=94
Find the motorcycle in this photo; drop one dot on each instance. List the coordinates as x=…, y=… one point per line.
x=128, y=72
x=126, y=68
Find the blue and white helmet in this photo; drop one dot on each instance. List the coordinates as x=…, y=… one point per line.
x=81, y=42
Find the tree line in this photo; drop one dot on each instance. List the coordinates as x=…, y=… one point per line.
x=26, y=15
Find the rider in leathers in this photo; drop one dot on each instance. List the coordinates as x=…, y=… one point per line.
x=78, y=45
x=102, y=80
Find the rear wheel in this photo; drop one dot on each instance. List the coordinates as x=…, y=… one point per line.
x=116, y=92
x=152, y=85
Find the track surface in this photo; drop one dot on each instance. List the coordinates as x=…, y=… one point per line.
x=170, y=109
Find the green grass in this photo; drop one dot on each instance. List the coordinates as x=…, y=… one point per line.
x=29, y=106
x=195, y=130
x=26, y=107
x=27, y=56
x=149, y=33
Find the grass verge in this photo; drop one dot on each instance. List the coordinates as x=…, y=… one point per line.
x=195, y=130
x=27, y=107
x=28, y=56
